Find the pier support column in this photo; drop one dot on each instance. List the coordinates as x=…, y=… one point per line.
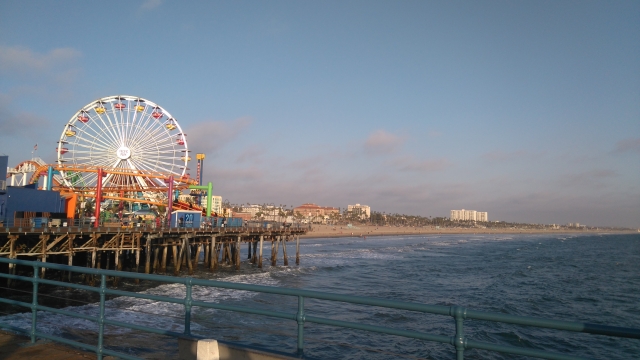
x=99, y=261
x=138, y=249
x=188, y=256
x=260, y=254
x=118, y=262
x=238, y=253
x=165, y=250
x=196, y=260
x=207, y=253
x=147, y=264
x=297, y=249
x=225, y=252
x=176, y=260
x=213, y=263
x=12, y=255
x=274, y=255
x=254, y=257
x=71, y=238
x=156, y=259
x=249, y=249
x=44, y=253
x=284, y=250
x=273, y=251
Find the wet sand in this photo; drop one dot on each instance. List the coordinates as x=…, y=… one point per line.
x=326, y=231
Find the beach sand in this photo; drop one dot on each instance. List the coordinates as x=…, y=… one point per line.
x=327, y=231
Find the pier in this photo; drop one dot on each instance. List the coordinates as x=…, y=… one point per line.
x=155, y=249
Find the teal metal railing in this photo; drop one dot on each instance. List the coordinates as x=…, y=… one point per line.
x=459, y=314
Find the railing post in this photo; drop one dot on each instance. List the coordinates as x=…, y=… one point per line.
x=187, y=309
x=34, y=303
x=103, y=290
x=300, y=320
x=459, y=313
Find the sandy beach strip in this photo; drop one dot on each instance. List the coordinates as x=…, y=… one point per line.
x=331, y=231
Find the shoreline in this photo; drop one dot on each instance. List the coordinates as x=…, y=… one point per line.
x=331, y=231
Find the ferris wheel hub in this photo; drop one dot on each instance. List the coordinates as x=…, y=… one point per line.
x=124, y=153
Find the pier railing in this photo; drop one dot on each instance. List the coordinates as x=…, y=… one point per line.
x=43, y=223
x=459, y=341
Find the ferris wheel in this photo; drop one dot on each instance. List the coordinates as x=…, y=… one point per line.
x=126, y=133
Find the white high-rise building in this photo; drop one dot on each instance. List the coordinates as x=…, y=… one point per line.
x=216, y=204
x=363, y=211
x=469, y=215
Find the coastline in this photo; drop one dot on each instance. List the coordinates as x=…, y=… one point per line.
x=331, y=231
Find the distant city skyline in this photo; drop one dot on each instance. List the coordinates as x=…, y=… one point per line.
x=529, y=111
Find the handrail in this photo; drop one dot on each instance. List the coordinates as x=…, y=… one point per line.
x=459, y=314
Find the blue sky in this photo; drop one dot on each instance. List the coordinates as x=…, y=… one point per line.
x=527, y=110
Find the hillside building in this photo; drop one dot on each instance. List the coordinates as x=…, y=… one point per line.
x=312, y=211
x=362, y=211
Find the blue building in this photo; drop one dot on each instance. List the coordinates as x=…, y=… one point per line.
x=15, y=200
x=186, y=218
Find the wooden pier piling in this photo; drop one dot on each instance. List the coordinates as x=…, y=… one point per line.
x=130, y=248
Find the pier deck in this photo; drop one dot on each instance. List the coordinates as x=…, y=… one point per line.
x=154, y=248
x=18, y=347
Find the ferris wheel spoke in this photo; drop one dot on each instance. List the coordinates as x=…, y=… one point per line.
x=168, y=160
x=83, y=158
x=155, y=140
x=145, y=138
x=117, y=124
x=81, y=136
x=156, y=159
x=107, y=135
x=124, y=123
x=160, y=166
x=142, y=165
x=151, y=137
x=158, y=129
x=113, y=132
x=164, y=150
x=113, y=124
x=139, y=180
x=96, y=141
x=131, y=115
x=153, y=167
x=143, y=121
x=88, y=146
x=150, y=127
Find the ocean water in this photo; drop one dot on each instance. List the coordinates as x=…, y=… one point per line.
x=590, y=278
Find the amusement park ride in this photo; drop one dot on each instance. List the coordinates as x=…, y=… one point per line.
x=117, y=150
x=122, y=148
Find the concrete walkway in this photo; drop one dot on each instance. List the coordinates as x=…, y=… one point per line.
x=14, y=347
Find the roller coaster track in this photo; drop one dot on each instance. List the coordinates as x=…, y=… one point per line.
x=37, y=167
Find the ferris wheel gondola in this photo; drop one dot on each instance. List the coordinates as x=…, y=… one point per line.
x=122, y=132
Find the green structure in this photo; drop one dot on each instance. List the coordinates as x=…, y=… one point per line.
x=209, y=189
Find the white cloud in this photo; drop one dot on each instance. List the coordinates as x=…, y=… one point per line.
x=21, y=123
x=408, y=163
x=628, y=145
x=500, y=156
x=209, y=137
x=381, y=142
x=150, y=4
x=22, y=60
